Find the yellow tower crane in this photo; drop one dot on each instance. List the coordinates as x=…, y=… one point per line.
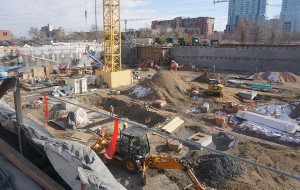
x=112, y=35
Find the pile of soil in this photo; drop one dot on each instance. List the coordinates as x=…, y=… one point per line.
x=167, y=85
x=284, y=77
x=204, y=78
x=92, y=99
x=133, y=111
x=214, y=170
x=282, y=158
x=223, y=141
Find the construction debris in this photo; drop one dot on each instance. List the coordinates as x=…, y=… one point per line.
x=248, y=95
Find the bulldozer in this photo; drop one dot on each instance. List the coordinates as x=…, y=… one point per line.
x=214, y=88
x=133, y=153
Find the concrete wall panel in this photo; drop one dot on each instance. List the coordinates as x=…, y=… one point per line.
x=240, y=58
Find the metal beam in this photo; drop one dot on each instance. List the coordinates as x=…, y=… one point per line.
x=112, y=35
x=19, y=113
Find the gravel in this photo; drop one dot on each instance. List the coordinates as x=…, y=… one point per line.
x=214, y=170
x=223, y=141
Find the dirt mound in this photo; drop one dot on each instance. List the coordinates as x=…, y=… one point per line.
x=132, y=111
x=282, y=158
x=223, y=141
x=164, y=85
x=204, y=78
x=284, y=77
x=214, y=170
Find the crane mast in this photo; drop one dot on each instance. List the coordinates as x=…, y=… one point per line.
x=112, y=35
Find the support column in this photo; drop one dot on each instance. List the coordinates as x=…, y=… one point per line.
x=19, y=114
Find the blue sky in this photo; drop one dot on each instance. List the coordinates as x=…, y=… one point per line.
x=19, y=15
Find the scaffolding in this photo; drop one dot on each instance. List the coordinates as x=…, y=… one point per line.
x=112, y=35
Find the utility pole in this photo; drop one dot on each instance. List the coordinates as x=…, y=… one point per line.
x=96, y=21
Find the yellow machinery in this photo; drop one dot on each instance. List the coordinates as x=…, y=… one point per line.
x=215, y=88
x=77, y=72
x=112, y=35
x=133, y=152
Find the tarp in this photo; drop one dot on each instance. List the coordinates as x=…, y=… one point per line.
x=16, y=178
x=74, y=162
x=77, y=163
x=33, y=130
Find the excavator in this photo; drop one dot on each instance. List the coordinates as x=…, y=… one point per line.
x=214, y=87
x=133, y=152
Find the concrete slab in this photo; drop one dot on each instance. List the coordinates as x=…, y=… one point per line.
x=201, y=138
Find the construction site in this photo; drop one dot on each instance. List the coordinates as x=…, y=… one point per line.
x=90, y=115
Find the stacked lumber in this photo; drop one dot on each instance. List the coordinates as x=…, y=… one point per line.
x=173, y=125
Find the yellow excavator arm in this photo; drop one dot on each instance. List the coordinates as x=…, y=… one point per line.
x=160, y=162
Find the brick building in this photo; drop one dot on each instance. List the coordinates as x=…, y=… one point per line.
x=5, y=35
x=201, y=25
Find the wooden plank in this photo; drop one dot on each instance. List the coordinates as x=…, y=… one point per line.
x=42, y=179
x=173, y=125
x=173, y=122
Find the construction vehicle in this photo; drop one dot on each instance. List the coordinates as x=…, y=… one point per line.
x=174, y=66
x=133, y=152
x=170, y=40
x=181, y=41
x=158, y=41
x=76, y=72
x=215, y=43
x=215, y=88
x=195, y=41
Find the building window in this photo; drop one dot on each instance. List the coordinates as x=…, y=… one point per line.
x=4, y=33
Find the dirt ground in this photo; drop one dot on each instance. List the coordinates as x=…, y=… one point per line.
x=175, y=87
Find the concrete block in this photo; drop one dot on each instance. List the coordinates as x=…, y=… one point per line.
x=205, y=107
x=269, y=121
x=114, y=79
x=68, y=106
x=202, y=139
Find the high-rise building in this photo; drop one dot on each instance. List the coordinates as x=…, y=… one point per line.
x=290, y=15
x=254, y=10
x=200, y=25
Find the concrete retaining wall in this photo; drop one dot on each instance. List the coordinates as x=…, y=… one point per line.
x=66, y=54
x=240, y=58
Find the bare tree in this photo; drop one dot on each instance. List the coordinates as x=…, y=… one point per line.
x=96, y=31
x=144, y=33
x=257, y=32
x=34, y=32
x=243, y=30
x=274, y=31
